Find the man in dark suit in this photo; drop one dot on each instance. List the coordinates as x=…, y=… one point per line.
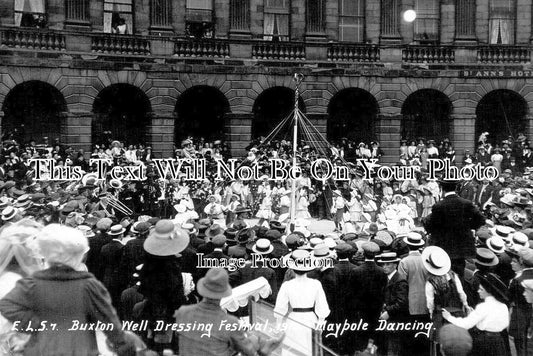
x=468, y=190
x=450, y=224
x=368, y=282
x=483, y=194
x=342, y=308
x=396, y=307
x=111, y=259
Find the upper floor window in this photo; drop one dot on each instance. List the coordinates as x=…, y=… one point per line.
x=77, y=10
x=118, y=16
x=352, y=20
x=276, y=20
x=427, y=20
x=161, y=13
x=239, y=15
x=502, y=22
x=199, y=18
x=30, y=13
x=315, y=16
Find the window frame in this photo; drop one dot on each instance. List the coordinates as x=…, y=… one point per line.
x=277, y=11
x=513, y=20
x=361, y=17
x=15, y=12
x=438, y=18
x=131, y=14
x=153, y=15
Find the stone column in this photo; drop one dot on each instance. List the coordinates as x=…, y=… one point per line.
x=75, y=130
x=463, y=135
x=238, y=132
x=160, y=133
x=389, y=135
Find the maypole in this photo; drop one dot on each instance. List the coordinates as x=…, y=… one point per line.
x=298, y=78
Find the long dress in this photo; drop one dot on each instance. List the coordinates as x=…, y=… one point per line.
x=306, y=293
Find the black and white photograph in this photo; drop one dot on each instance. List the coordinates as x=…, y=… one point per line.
x=266, y=178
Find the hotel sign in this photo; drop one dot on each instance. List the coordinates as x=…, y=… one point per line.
x=496, y=73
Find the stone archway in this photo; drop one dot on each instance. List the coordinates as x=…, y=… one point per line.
x=271, y=107
x=352, y=114
x=426, y=113
x=32, y=111
x=501, y=113
x=121, y=112
x=201, y=112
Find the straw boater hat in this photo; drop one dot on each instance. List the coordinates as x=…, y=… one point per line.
x=502, y=231
x=116, y=230
x=436, y=260
x=485, y=257
x=87, y=231
x=263, y=247
x=9, y=213
x=414, y=239
x=387, y=257
x=165, y=239
x=321, y=251
x=520, y=240
x=496, y=244
x=215, y=284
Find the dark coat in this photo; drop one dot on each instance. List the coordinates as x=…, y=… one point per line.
x=343, y=307
x=111, y=259
x=132, y=256
x=368, y=282
x=521, y=314
x=397, y=298
x=450, y=224
x=60, y=295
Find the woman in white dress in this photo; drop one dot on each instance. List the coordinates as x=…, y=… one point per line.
x=302, y=205
x=307, y=301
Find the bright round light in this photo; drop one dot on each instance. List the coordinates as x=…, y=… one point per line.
x=409, y=15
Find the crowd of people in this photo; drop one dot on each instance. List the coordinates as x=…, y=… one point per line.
x=105, y=251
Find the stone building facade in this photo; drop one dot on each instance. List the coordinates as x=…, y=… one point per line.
x=224, y=68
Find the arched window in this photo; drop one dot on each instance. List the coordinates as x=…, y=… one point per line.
x=502, y=21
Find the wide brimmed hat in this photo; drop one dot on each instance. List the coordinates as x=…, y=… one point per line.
x=116, y=230
x=263, y=247
x=214, y=230
x=436, y=260
x=503, y=231
x=414, y=239
x=215, y=284
x=493, y=284
x=387, y=257
x=496, y=244
x=165, y=239
x=486, y=257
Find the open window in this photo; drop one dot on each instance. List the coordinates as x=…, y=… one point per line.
x=502, y=22
x=30, y=13
x=199, y=19
x=276, y=20
x=118, y=16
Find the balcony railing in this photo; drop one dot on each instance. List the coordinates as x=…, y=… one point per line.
x=33, y=39
x=120, y=44
x=503, y=54
x=353, y=53
x=201, y=48
x=278, y=50
x=428, y=54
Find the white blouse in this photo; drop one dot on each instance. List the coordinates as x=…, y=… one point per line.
x=491, y=315
x=302, y=292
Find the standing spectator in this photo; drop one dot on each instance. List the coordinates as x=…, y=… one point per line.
x=222, y=342
x=490, y=318
x=451, y=223
x=60, y=295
